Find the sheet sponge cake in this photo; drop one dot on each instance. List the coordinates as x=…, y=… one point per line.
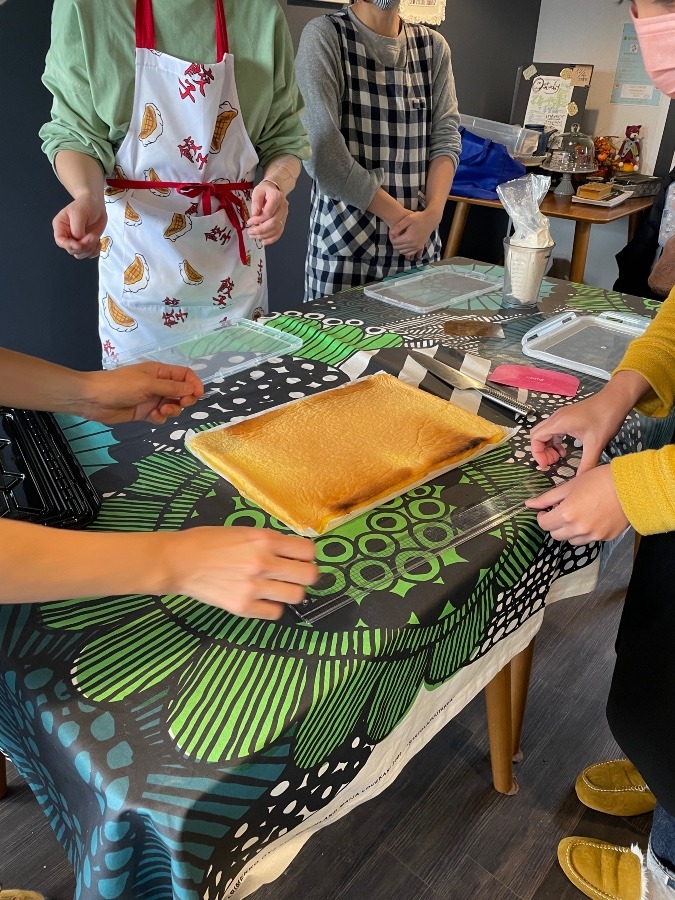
x=331, y=455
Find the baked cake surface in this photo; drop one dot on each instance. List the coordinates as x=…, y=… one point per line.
x=325, y=457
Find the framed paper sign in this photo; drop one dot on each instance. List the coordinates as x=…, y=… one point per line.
x=431, y=12
x=551, y=94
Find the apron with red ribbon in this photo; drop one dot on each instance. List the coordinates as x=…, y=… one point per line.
x=175, y=256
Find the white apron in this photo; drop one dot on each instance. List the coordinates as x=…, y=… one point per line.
x=175, y=258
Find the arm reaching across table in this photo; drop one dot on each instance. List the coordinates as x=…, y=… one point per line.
x=148, y=390
x=247, y=571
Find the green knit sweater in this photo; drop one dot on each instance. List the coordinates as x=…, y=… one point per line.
x=90, y=71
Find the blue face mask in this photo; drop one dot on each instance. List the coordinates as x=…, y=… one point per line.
x=384, y=4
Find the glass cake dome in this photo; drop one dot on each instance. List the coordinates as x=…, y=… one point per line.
x=570, y=153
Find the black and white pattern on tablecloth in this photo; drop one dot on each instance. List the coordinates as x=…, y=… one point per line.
x=299, y=795
x=510, y=612
x=355, y=308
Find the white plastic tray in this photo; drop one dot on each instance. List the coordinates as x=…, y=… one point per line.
x=594, y=345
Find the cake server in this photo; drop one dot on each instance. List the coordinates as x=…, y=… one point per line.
x=465, y=382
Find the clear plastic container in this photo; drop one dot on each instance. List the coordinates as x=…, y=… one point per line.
x=433, y=288
x=235, y=346
x=517, y=140
x=594, y=345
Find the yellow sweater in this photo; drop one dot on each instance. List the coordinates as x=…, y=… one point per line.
x=645, y=481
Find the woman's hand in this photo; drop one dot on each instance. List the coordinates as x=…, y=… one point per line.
x=594, y=421
x=247, y=571
x=584, y=509
x=589, y=421
x=147, y=391
x=410, y=235
x=269, y=211
x=79, y=226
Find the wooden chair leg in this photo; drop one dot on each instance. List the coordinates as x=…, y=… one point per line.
x=498, y=706
x=521, y=667
x=3, y=776
x=456, y=230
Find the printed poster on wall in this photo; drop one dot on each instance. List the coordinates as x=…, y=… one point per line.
x=549, y=102
x=552, y=95
x=430, y=12
x=632, y=84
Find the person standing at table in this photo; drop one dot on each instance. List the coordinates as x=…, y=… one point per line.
x=381, y=115
x=598, y=504
x=164, y=111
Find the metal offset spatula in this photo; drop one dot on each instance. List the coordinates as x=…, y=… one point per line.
x=466, y=382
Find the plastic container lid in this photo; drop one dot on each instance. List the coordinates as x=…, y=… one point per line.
x=594, y=345
x=235, y=346
x=517, y=140
x=434, y=288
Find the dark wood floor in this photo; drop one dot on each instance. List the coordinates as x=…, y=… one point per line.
x=440, y=832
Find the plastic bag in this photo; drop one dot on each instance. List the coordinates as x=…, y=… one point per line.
x=521, y=198
x=483, y=165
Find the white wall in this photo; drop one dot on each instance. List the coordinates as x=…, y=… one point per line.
x=589, y=31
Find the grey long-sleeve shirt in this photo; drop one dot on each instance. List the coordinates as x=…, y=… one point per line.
x=320, y=77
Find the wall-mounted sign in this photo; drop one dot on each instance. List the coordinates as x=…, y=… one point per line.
x=552, y=95
x=632, y=84
x=431, y=12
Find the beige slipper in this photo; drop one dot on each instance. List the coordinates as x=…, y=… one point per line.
x=615, y=787
x=603, y=871
x=16, y=894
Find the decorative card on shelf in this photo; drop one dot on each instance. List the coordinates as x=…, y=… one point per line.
x=552, y=95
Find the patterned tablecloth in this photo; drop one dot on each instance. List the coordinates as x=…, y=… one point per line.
x=181, y=752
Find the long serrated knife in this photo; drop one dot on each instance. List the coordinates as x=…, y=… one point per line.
x=465, y=382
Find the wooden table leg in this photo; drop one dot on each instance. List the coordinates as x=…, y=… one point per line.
x=498, y=706
x=456, y=229
x=582, y=236
x=521, y=667
x=3, y=776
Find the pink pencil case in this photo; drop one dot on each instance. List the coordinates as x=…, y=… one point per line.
x=533, y=379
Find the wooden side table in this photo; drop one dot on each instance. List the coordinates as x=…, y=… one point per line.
x=584, y=215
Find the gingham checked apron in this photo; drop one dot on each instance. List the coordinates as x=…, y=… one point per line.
x=175, y=257
x=386, y=123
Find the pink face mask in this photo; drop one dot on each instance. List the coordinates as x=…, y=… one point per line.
x=657, y=42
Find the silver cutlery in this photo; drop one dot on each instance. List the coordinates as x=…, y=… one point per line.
x=464, y=382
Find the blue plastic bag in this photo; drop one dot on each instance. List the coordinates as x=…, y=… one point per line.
x=483, y=165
